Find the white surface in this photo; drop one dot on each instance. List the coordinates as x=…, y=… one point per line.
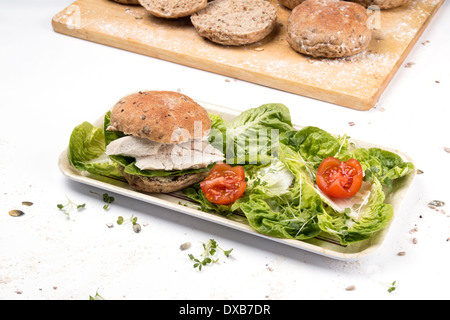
x=49, y=83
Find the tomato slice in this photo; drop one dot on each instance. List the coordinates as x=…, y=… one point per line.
x=339, y=179
x=225, y=184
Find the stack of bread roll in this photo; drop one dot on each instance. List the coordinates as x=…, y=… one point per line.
x=317, y=28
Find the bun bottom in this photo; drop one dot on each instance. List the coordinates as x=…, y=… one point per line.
x=163, y=184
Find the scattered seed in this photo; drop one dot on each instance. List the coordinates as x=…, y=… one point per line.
x=414, y=240
x=259, y=49
x=138, y=17
x=16, y=213
x=419, y=171
x=185, y=246
x=446, y=149
x=351, y=123
x=409, y=64
x=401, y=253
x=437, y=81
x=413, y=230
x=436, y=203
x=110, y=225
x=137, y=227
x=350, y=288
x=27, y=203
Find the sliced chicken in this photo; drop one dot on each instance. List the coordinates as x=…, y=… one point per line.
x=152, y=155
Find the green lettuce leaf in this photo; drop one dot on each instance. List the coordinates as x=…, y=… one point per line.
x=253, y=136
x=291, y=214
x=313, y=145
x=357, y=218
x=273, y=179
x=277, y=202
x=216, y=136
x=129, y=166
x=382, y=165
x=86, y=151
x=360, y=221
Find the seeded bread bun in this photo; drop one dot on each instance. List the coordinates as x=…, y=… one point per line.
x=328, y=28
x=235, y=22
x=172, y=9
x=163, y=184
x=161, y=116
x=134, y=2
x=290, y=4
x=382, y=4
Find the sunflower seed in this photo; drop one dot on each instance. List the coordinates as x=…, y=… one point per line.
x=137, y=227
x=436, y=203
x=185, y=246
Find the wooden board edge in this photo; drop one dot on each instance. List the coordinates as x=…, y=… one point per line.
x=406, y=52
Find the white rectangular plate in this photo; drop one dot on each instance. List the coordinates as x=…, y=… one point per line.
x=323, y=244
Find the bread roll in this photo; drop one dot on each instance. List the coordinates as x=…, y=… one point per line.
x=328, y=28
x=171, y=9
x=235, y=22
x=290, y=4
x=133, y=2
x=163, y=184
x=161, y=116
x=382, y=4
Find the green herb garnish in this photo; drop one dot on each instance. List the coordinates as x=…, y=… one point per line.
x=108, y=199
x=96, y=297
x=392, y=287
x=70, y=206
x=133, y=220
x=207, y=257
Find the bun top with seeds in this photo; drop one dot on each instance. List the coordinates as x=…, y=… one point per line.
x=329, y=28
x=160, y=116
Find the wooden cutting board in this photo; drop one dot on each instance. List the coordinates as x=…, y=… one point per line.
x=356, y=82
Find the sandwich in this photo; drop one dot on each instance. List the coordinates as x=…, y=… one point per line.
x=159, y=139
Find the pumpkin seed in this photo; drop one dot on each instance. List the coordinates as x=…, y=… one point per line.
x=16, y=213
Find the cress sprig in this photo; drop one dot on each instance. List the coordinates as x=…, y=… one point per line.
x=207, y=257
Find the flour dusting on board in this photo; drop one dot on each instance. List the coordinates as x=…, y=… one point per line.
x=360, y=78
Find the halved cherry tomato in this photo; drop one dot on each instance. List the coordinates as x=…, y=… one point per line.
x=225, y=184
x=339, y=179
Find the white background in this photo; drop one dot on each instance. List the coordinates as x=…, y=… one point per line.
x=49, y=83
